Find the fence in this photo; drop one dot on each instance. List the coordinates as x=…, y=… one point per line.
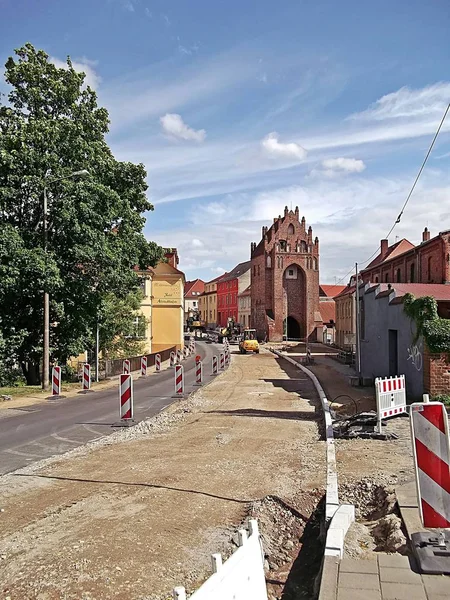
x=111, y=368
x=241, y=577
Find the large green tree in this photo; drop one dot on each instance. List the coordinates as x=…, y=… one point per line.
x=50, y=127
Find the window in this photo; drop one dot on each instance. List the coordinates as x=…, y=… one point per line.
x=303, y=247
x=291, y=272
x=269, y=261
x=282, y=245
x=412, y=274
x=376, y=279
x=138, y=328
x=142, y=285
x=194, y=304
x=386, y=278
x=399, y=276
x=291, y=229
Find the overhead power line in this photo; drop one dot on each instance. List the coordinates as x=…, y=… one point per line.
x=398, y=219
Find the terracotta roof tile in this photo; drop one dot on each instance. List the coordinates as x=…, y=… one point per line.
x=328, y=311
x=331, y=290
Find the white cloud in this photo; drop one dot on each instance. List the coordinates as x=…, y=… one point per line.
x=409, y=103
x=218, y=270
x=277, y=149
x=174, y=125
x=82, y=65
x=350, y=165
x=196, y=243
x=128, y=6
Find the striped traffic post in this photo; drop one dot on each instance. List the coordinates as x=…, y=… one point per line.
x=179, y=356
x=126, y=367
x=143, y=366
x=215, y=365
x=222, y=361
x=179, y=381
x=56, y=381
x=185, y=352
x=173, y=359
x=125, y=400
x=431, y=449
x=86, y=380
x=158, y=363
x=198, y=373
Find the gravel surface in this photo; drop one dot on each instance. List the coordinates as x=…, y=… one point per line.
x=132, y=515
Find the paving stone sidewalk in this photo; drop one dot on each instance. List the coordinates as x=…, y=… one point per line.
x=388, y=577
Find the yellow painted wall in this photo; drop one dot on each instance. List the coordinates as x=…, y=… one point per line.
x=167, y=308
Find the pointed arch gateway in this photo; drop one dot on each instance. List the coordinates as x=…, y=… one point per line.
x=294, y=302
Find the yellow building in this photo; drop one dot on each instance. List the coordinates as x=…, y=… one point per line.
x=163, y=304
x=207, y=302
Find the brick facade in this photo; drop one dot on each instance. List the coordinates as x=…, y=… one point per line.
x=436, y=373
x=428, y=262
x=285, y=280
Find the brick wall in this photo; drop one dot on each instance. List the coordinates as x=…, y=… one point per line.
x=436, y=374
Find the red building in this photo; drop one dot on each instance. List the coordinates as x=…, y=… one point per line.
x=285, y=281
x=228, y=288
x=402, y=262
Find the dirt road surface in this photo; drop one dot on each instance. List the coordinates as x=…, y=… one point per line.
x=133, y=516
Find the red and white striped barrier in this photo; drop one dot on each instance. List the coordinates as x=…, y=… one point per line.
x=56, y=381
x=179, y=380
x=179, y=356
x=126, y=397
x=391, y=397
x=173, y=359
x=158, y=363
x=126, y=367
x=198, y=373
x=431, y=448
x=144, y=366
x=215, y=365
x=186, y=352
x=86, y=380
x=222, y=361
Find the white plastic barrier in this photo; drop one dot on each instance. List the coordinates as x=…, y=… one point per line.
x=391, y=397
x=241, y=577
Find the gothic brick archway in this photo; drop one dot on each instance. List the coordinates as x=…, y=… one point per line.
x=294, y=301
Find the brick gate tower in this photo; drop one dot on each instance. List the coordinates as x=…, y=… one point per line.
x=285, y=280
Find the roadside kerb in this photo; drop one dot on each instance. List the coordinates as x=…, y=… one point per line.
x=338, y=518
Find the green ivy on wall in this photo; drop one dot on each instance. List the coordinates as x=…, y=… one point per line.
x=424, y=312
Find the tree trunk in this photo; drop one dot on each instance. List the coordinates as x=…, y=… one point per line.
x=31, y=372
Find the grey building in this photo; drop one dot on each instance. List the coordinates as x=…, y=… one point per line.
x=387, y=333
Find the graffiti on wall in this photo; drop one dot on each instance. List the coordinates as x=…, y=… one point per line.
x=415, y=356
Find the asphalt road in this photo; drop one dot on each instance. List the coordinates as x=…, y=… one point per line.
x=42, y=430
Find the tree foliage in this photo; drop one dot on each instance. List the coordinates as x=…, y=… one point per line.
x=51, y=127
x=434, y=329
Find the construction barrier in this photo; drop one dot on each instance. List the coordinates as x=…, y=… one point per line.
x=56, y=381
x=173, y=359
x=179, y=356
x=126, y=367
x=241, y=577
x=431, y=449
x=391, y=397
x=185, y=352
x=222, y=361
x=126, y=397
x=198, y=372
x=215, y=365
x=144, y=366
x=86, y=381
x=158, y=363
x=179, y=380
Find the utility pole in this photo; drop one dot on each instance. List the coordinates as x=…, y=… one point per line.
x=97, y=349
x=46, y=348
x=358, y=329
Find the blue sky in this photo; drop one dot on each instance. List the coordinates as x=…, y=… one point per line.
x=240, y=108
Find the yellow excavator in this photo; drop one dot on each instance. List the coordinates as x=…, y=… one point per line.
x=249, y=342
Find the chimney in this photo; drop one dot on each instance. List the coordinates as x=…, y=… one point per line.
x=171, y=255
x=384, y=248
x=425, y=235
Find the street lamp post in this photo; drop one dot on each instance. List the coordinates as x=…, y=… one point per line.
x=46, y=344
